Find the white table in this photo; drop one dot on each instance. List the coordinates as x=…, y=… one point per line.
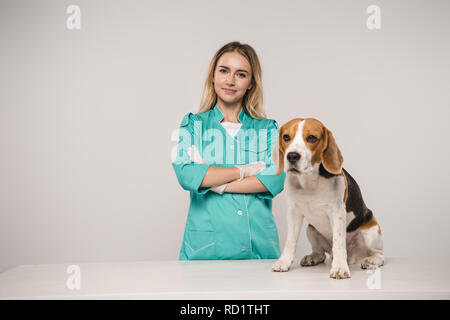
x=236, y=279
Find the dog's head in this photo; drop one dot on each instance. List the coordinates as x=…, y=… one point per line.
x=302, y=143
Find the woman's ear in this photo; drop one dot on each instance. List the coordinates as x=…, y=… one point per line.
x=252, y=83
x=278, y=158
x=331, y=155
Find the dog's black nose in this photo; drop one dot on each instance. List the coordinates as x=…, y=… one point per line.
x=293, y=157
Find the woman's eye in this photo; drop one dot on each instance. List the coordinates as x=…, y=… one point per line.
x=222, y=70
x=286, y=138
x=241, y=75
x=311, y=139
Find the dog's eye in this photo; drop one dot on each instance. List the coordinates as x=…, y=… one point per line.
x=286, y=138
x=311, y=139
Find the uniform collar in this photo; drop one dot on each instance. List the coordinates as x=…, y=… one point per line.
x=243, y=116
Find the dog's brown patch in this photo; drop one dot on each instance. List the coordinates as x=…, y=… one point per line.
x=369, y=224
x=290, y=129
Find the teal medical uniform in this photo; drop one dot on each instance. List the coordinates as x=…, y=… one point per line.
x=228, y=225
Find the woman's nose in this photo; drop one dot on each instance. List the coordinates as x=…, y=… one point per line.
x=230, y=79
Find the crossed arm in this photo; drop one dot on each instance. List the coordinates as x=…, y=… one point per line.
x=216, y=176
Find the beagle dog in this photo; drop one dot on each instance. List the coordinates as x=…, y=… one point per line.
x=319, y=189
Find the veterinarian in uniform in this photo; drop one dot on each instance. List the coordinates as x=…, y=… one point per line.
x=222, y=224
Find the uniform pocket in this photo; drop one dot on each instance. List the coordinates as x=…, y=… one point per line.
x=200, y=245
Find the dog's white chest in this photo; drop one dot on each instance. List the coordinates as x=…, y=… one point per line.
x=318, y=201
x=318, y=214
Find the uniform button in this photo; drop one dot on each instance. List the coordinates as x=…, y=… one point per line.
x=243, y=248
x=239, y=212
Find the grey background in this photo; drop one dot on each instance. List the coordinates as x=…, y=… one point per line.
x=87, y=116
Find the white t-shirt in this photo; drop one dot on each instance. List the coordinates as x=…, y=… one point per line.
x=231, y=127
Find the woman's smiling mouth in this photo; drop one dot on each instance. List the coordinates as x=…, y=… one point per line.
x=229, y=91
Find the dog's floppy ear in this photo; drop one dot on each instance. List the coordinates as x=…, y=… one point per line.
x=278, y=156
x=331, y=155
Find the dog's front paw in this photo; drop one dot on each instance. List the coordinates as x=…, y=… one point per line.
x=372, y=262
x=281, y=265
x=312, y=260
x=340, y=272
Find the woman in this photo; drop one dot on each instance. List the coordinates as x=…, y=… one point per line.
x=224, y=160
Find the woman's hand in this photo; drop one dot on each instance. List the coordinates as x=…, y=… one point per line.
x=251, y=169
x=195, y=155
x=197, y=158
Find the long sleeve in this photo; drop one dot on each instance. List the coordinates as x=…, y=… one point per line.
x=268, y=177
x=189, y=174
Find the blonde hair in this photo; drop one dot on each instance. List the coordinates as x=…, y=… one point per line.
x=253, y=99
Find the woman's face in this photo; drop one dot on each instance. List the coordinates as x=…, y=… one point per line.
x=232, y=78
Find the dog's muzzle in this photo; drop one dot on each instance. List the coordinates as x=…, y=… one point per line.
x=293, y=157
